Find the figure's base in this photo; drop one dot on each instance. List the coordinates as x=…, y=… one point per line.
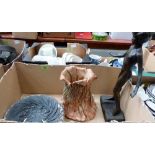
x=108, y=106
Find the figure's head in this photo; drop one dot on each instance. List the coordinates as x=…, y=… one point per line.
x=140, y=37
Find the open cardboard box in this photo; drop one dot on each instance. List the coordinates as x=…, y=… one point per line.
x=74, y=48
x=19, y=45
x=149, y=60
x=27, y=79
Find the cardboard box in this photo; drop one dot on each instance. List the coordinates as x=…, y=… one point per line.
x=148, y=60
x=25, y=35
x=26, y=79
x=19, y=45
x=70, y=35
x=74, y=48
x=134, y=108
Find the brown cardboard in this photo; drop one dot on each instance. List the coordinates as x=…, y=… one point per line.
x=149, y=60
x=19, y=45
x=10, y=90
x=77, y=49
x=1, y=70
x=70, y=35
x=74, y=48
x=134, y=108
x=26, y=79
x=42, y=79
x=25, y=35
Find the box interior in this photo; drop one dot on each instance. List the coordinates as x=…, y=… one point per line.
x=27, y=79
x=23, y=79
x=74, y=48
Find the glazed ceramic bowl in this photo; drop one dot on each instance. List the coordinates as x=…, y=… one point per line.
x=36, y=108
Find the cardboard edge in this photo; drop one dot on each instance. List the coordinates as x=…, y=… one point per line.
x=1, y=70
x=147, y=56
x=5, y=73
x=10, y=89
x=127, y=103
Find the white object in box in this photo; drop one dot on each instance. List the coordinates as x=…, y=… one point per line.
x=48, y=50
x=69, y=57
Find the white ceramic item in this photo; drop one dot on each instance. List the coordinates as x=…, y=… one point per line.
x=48, y=50
x=69, y=57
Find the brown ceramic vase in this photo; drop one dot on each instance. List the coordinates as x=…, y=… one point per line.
x=78, y=101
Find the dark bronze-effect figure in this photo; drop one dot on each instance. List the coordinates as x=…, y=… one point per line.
x=133, y=56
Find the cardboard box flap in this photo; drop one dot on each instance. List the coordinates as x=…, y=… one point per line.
x=134, y=108
x=9, y=90
x=38, y=79
x=148, y=60
x=1, y=70
x=145, y=55
x=44, y=78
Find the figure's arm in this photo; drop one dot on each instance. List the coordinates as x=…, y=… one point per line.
x=140, y=72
